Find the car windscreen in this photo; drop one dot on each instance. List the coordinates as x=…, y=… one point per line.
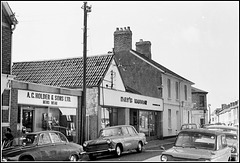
x=231, y=138
x=196, y=140
x=110, y=132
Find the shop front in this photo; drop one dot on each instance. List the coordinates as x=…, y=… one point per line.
x=143, y=112
x=38, y=110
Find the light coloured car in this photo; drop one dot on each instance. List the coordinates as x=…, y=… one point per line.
x=115, y=140
x=42, y=146
x=198, y=145
x=232, y=138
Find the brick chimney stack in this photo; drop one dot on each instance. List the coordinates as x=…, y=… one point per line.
x=144, y=47
x=122, y=39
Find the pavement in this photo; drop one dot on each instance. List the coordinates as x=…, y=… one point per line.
x=159, y=142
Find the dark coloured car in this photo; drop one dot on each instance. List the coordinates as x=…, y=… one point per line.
x=42, y=146
x=198, y=145
x=115, y=140
x=232, y=138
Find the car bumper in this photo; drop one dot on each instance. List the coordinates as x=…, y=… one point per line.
x=97, y=152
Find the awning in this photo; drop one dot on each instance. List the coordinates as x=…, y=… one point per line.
x=68, y=111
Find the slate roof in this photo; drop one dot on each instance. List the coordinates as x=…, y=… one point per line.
x=63, y=72
x=160, y=66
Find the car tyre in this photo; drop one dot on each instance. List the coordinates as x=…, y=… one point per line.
x=73, y=158
x=92, y=157
x=26, y=159
x=118, y=151
x=140, y=147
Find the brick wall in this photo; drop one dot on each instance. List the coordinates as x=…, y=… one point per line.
x=122, y=39
x=6, y=48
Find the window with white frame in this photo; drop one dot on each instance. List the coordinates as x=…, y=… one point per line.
x=169, y=119
x=169, y=88
x=177, y=90
x=185, y=92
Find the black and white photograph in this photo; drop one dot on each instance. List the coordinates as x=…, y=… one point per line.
x=120, y=81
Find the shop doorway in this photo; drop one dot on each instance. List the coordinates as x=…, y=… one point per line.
x=134, y=119
x=27, y=119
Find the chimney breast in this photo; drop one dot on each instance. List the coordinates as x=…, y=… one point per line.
x=122, y=39
x=144, y=47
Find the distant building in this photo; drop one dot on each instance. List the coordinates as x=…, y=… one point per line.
x=199, y=110
x=229, y=113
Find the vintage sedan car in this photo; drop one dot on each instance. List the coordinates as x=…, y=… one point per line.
x=42, y=146
x=223, y=128
x=115, y=140
x=231, y=136
x=198, y=145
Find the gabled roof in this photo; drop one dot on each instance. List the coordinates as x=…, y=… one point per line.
x=8, y=12
x=160, y=66
x=196, y=90
x=63, y=72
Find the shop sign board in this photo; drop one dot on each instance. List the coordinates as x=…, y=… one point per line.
x=110, y=97
x=46, y=99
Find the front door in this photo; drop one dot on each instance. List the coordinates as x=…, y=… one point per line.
x=27, y=120
x=134, y=119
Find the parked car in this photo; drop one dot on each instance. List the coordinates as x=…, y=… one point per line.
x=188, y=126
x=223, y=128
x=198, y=145
x=115, y=140
x=232, y=138
x=42, y=146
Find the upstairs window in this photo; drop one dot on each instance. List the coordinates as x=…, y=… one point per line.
x=169, y=88
x=185, y=92
x=177, y=90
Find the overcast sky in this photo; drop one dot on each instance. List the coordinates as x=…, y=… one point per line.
x=197, y=40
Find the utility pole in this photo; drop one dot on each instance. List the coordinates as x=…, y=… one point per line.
x=209, y=105
x=83, y=112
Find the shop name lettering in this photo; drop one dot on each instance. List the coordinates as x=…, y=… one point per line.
x=47, y=98
x=131, y=100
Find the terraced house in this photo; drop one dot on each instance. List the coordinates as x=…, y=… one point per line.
x=123, y=87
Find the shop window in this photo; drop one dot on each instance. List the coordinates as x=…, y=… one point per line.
x=147, y=123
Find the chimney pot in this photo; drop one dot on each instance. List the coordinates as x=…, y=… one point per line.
x=117, y=29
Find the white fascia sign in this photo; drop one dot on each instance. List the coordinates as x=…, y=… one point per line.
x=46, y=99
x=114, y=98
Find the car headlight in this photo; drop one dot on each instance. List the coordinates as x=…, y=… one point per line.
x=233, y=150
x=85, y=144
x=4, y=160
x=108, y=141
x=163, y=158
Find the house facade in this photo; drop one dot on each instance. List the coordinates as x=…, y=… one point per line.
x=199, y=111
x=143, y=75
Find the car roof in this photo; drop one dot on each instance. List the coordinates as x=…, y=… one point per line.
x=45, y=131
x=222, y=126
x=117, y=126
x=202, y=130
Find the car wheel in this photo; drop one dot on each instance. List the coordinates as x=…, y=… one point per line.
x=27, y=159
x=92, y=157
x=73, y=158
x=118, y=151
x=139, y=148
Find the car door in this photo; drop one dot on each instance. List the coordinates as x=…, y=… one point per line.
x=223, y=152
x=45, y=147
x=133, y=136
x=61, y=150
x=127, y=139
